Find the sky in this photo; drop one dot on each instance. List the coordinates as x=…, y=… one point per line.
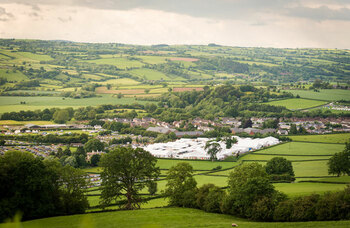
x=245, y=23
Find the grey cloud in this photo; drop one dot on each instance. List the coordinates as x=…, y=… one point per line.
x=222, y=9
x=5, y=16
x=321, y=13
x=230, y=9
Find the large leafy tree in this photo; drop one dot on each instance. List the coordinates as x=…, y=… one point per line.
x=249, y=184
x=279, y=165
x=229, y=141
x=94, y=145
x=126, y=172
x=212, y=147
x=61, y=116
x=339, y=163
x=181, y=187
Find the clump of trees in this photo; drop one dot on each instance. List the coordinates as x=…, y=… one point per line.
x=39, y=188
x=76, y=159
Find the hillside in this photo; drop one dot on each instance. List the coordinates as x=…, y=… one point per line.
x=163, y=217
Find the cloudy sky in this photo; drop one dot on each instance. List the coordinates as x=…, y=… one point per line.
x=263, y=23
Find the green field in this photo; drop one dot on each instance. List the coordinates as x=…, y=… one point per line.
x=297, y=103
x=324, y=94
x=12, y=76
x=10, y=104
x=152, y=59
x=121, y=63
x=159, y=218
x=149, y=74
x=14, y=122
x=197, y=165
x=299, y=189
x=120, y=82
x=301, y=148
x=330, y=138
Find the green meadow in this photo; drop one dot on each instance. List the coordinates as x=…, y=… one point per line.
x=149, y=74
x=329, y=138
x=11, y=103
x=297, y=103
x=324, y=94
x=122, y=63
x=162, y=217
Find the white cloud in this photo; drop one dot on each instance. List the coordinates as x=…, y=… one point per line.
x=149, y=26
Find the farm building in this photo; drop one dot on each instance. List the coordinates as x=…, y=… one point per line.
x=194, y=148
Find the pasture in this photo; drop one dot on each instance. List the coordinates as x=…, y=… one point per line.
x=302, y=149
x=19, y=123
x=161, y=217
x=121, y=63
x=324, y=94
x=197, y=165
x=10, y=104
x=329, y=138
x=299, y=189
x=120, y=82
x=149, y=74
x=297, y=103
x=12, y=76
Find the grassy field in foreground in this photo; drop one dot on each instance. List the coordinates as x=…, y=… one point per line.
x=324, y=94
x=296, y=103
x=331, y=138
x=159, y=218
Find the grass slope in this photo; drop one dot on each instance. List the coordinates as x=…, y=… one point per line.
x=9, y=104
x=162, y=217
x=324, y=94
x=297, y=103
x=331, y=138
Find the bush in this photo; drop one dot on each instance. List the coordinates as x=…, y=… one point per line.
x=209, y=198
x=283, y=178
x=330, y=206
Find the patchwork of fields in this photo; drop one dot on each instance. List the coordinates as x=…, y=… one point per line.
x=309, y=160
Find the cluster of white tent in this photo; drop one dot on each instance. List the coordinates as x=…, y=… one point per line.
x=194, y=148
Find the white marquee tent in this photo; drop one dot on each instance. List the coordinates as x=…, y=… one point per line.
x=194, y=148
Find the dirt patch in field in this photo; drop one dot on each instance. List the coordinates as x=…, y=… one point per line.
x=184, y=59
x=183, y=89
x=104, y=90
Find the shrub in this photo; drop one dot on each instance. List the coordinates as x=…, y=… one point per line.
x=208, y=198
